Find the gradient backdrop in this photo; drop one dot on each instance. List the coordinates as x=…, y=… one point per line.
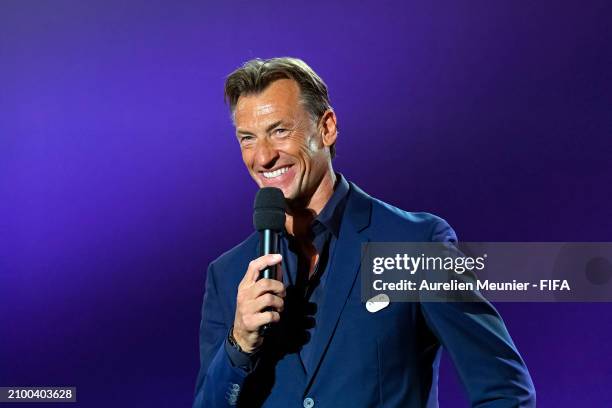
x=120, y=177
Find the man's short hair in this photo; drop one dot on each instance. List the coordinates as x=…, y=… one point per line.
x=255, y=75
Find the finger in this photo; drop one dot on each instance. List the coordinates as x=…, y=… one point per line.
x=258, y=264
x=269, y=300
x=268, y=286
x=266, y=317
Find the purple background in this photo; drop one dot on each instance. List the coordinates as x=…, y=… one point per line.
x=120, y=178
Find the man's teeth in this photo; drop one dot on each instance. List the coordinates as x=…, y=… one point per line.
x=275, y=173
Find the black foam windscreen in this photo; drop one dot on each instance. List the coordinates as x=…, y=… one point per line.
x=269, y=209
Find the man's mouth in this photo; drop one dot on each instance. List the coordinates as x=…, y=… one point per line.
x=281, y=177
x=276, y=173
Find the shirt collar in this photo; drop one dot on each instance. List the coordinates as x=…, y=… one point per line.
x=331, y=215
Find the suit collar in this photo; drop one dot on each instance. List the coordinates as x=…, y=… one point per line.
x=331, y=215
x=359, y=209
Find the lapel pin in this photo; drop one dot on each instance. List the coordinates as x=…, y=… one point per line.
x=377, y=303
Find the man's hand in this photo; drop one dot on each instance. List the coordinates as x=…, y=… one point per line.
x=254, y=297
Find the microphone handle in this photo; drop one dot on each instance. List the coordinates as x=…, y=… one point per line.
x=268, y=244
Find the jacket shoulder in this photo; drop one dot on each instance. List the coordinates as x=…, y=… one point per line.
x=394, y=224
x=234, y=260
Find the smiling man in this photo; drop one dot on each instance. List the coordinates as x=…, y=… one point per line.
x=285, y=146
x=325, y=348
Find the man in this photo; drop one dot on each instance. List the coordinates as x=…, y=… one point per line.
x=324, y=348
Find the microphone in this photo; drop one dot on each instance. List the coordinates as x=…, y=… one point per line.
x=269, y=219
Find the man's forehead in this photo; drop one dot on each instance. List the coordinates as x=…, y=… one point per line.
x=280, y=97
x=253, y=109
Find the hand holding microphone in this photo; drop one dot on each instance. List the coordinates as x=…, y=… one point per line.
x=260, y=295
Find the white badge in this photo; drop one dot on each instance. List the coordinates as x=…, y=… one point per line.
x=377, y=303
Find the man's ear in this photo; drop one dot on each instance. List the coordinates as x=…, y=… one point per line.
x=327, y=127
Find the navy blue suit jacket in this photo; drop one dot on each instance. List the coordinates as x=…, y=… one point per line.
x=362, y=359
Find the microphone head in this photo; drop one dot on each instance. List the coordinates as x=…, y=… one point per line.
x=269, y=209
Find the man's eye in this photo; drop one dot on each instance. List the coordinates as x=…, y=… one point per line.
x=246, y=138
x=280, y=131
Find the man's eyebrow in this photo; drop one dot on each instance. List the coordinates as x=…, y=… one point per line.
x=273, y=125
x=243, y=132
x=269, y=128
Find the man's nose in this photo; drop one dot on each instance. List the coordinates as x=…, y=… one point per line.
x=266, y=154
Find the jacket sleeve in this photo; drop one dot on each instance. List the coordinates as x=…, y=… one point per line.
x=219, y=382
x=489, y=365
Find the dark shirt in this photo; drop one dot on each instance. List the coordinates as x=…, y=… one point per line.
x=325, y=230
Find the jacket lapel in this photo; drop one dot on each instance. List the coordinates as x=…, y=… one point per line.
x=343, y=271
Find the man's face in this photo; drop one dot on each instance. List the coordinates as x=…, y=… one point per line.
x=280, y=143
